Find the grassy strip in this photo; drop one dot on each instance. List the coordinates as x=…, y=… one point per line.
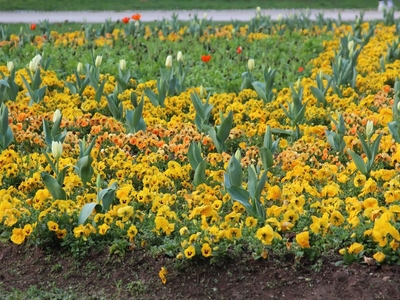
x=119, y=5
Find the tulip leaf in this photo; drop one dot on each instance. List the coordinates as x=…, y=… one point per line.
x=360, y=164
x=87, y=210
x=234, y=172
x=225, y=128
x=260, y=91
x=240, y=195
x=267, y=158
x=365, y=146
x=199, y=174
x=52, y=185
x=252, y=181
x=99, y=91
x=107, y=196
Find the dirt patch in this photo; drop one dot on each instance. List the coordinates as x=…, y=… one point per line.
x=135, y=276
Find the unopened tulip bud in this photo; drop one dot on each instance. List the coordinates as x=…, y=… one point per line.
x=122, y=64
x=205, y=16
x=202, y=93
x=98, y=181
x=179, y=56
x=250, y=64
x=298, y=84
x=32, y=66
x=57, y=115
x=168, y=61
x=238, y=155
x=56, y=149
x=37, y=59
x=258, y=9
x=10, y=66
x=79, y=67
x=398, y=106
x=97, y=63
x=369, y=130
x=279, y=17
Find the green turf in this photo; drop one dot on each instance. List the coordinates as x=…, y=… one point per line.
x=118, y=5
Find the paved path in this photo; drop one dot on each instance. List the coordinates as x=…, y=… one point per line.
x=216, y=15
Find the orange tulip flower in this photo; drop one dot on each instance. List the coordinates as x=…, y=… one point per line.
x=136, y=17
x=206, y=58
x=33, y=26
x=125, y=20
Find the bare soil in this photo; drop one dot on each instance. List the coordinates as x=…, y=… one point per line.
x=135, y=276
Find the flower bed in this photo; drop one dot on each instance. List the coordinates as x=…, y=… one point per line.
x=108, y=160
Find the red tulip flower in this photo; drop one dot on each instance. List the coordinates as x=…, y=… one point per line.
x=206, y=58
x=136, y=17
x=125, y=20
x=239, y=50
x=33, y=26
x=301, y=69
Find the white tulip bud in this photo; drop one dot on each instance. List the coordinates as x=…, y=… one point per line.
x=179, y=56
x=398, y=106
x=369, y=130
x=122, y=64
x=10, y=66
x=258, y=9
x=205, y=16
x=57, y=115
x=97, y=63
x=279, y=18
x=37, y=59
x=32, y=66
x=79, y=67
x=56, y=149
x=168, y=61
x=250, y=64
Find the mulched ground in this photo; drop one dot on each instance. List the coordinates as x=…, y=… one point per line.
x=135, y=276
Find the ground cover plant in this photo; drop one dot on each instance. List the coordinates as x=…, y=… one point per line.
x=268, y=145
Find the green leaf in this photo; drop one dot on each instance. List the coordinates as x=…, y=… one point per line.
x=225, y=128
x=211, y=132
x=267, y=158
x=99, y=91
x=200, y=174
x=235, y=172
x=194, y=155
x=261, y=185
x=240, y=195
x=360, y=164
x=365, y=146
x=53, y=187
x=152, y=96
x=252, y=181
x=84, y=169
x=319, y=95
x=72, y=88
x=260, y=91
x=198, y=105
x=87, y=210
x=137, y=113
x=107, y=196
